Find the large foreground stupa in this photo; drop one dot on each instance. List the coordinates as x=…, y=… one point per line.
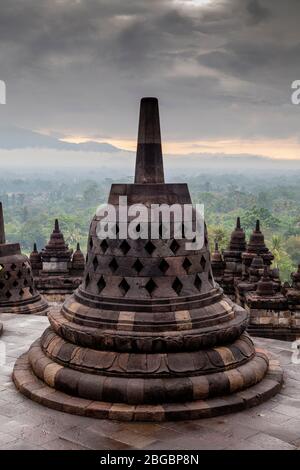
x=18, y=293
x=148, y=335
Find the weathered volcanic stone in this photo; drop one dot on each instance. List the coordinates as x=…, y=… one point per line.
x=148, y=335
x=18, y=293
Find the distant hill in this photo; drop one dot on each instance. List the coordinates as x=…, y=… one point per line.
x=23, y=148
x=17, y=138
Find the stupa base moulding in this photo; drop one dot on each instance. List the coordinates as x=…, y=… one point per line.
x=37, y=390
x=274, y=332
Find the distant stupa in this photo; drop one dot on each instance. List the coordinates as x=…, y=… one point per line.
x=18, y=293
x=57, y=271
x=148, y=335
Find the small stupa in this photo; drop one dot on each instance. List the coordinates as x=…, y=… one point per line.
x=269, y=311
x=18, y=293
x=233, y=259
x=57, y=270
x=217, y=264
x=257, y=247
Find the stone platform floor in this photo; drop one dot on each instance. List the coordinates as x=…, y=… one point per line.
x=27, y=425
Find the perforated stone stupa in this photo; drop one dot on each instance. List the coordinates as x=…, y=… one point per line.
x=148, y=335
x=18, y=293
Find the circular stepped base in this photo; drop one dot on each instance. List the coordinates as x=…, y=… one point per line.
x=39, y=307
x=33, y=388
x=281, y=333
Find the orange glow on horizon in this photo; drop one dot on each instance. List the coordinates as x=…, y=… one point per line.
x=278, y=149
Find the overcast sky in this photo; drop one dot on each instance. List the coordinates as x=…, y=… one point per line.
x=222, y=71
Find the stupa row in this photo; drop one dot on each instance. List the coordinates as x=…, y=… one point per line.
x=244, y=271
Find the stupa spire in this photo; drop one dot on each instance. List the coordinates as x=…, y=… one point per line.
x=2, y=230
x=149, y=162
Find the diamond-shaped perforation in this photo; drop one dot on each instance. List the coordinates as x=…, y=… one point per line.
x=137, y=266
x=2, y=285
x=124, y=286
x=87, y=280
x=1, y=267
x=150, y=247
x=177, y=286
x=8, y=294
x=104, y=246
x=31, y=290
x=101, y=284
x=174, y=246
x=7, y=275
x=13, y=266
x=186, y=264
x=124, y=247
x=150, y=286
x=113, y=265
x=95, y=263
x=15, y=283
x=203, y=262
x=19, y=274
x=25, y=282
x=210, y=278
x=164, y=266
x=21, y=292
x=198, y=282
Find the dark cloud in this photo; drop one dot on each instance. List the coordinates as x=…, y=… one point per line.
x=220, y=70
x=257, y=12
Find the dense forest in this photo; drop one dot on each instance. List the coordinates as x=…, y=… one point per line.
x=32, y=202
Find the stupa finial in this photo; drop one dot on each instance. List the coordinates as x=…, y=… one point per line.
x=149, y=162
x=2, y=230
x=238, y=223
x=56, y=225
x=257, y=226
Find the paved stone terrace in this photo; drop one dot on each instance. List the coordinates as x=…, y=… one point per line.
x=27, y=425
